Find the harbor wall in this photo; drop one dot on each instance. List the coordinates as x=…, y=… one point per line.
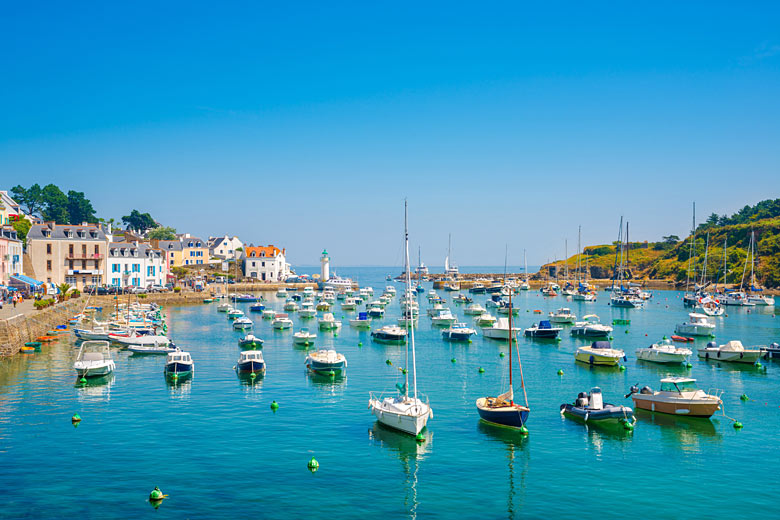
x=18, y=330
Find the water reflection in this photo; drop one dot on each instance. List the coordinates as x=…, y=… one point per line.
x=683, y=431
x=516, y=448
x=410, y=452
x=250, y=383
x=179, y=388
x=95, y=388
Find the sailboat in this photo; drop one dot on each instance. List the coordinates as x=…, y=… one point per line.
x=754, y=295
x=450, y=270
x=620, y=296
x=421, y=272
x=403, y=412
x=503, y=410
x=524, y=286
x=690, y=297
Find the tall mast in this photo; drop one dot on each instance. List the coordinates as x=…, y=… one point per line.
x=752, y=259
x=725, y=247
x=409, y=304
x=618, y=251
x=704, y=269
x=525, y=266
x=628, y=246
x=566, y=256
x=579, y=254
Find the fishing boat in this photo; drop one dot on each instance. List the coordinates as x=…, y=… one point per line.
x=223, y=307
x=591, y=327
x=499, y=330
x=599, y=353
x=250, y=341
x=404, y=412
x=242, y=323
x=665, y=351
x=563, y=315
x=474, y=309
x=350, y=304
x=281, y=322
x=485, y=320
x=591, y=409
x=307, y=310
x=328, y=322
x=477, y=288
x=503, y=410
x=326, y=362
x=678, y=396
x=458, y=332
x=733, y=351
x=250, y=362
x=304, y=337
x=361, y=322
x=462, y=298
x=543, y=330
x=178, y=364
x=389, y=334
x=94, y=359
x=290, y=305
x=375, y=311
x=322, y=305
x=697, y=325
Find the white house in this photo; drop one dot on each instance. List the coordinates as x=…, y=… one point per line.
x=224, y=248
x=135, y=264
x=10, y=254
x=266, y=263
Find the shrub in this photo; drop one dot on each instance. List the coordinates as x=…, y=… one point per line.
x=141, y=296
x=75, y=293
x=177, y=289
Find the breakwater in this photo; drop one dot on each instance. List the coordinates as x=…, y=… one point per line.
x=18, y=330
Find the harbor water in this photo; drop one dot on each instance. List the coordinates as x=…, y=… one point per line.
x=215, y=446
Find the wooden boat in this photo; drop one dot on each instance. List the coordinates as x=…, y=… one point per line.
x=678, y=396
x=503, y=410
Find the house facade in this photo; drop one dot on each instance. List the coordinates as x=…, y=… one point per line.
x=65, y=253
x=134, y=264
x=10, y=254
x=9, y=209
x=194, y=251
x=224, y=248
x=266, y=263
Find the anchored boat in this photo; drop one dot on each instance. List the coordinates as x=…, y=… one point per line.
x=326, y=361
x=599, y=353
x=663, y=352
x=678, y=396
x=590, y=408
x=94, y=359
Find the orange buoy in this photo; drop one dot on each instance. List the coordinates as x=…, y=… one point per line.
x=46, y=338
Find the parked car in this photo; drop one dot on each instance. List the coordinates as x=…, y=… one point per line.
x=136, y=290
x=157, y=288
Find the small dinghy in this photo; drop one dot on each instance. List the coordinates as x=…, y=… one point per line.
x=591, y=409
x=250, y=341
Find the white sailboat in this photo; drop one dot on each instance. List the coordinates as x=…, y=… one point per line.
x=524, y=285
x=754, y=295
x=403, y=412
x=450, y=270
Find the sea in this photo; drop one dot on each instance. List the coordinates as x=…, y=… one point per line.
x=214, y=445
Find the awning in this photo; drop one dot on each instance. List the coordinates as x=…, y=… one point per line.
x=21, y=281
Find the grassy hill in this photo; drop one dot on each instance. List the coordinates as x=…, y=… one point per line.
x=668, y=260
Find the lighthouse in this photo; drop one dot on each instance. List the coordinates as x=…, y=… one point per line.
x=324, y=266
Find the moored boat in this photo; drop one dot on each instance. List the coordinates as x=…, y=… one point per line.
x=458, y=332
x=326, y=361
x=329, y=322
x=663, y=352
x=250, y=341
x=733, y=351
x=94, y=359
x=389, y=334
x=678, y=396
x=281, y=322
x=250, y=362
x=591, y=409
x=563, y=315
x=591, y=327
x=599, y=353
x=361, y=322
x=697, y=325
x=304, y=337
x=543, y=330
x=178, y=364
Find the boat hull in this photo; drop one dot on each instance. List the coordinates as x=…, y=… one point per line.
x=542, y=333
x=590, y=358
x=688, y=408
x=661, y=357
x=457, y=336
x=407, y=423
x=253, y=367
x=178, y=368
x=322, y=367
x=610, y=414
x=749, y=357
x=510, y=416
x=388, y=338
x=694, y=330
x=88, y=370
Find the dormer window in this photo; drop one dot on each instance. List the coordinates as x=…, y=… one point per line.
x=93, y=234
x=81, y=234
x=68, y=233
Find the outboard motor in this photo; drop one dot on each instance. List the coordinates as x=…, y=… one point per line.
x=712, y=344
x=646, y=390
x=634, y=390
x=582, y=399
x=596, y=401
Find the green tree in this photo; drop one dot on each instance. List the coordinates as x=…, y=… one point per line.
x=80, y=208
x=162, y=233
x=137, y=221
x=55, y=205
x=671, y=239
x=31, y=199
x=22, y=227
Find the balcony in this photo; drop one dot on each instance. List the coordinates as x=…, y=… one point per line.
x=72, y=272
x=84, y=256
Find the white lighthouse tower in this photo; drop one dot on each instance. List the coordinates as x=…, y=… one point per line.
x=324, y=266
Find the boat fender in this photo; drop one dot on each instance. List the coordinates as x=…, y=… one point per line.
x=590, y=360
x=706, y=355
x=625, y=358
x=741, y=355
x=719, y=354
x=587, y=414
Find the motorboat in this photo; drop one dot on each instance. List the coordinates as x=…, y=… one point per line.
x=242, y=323
x=250, y=341
x=304, y=337
x=458, y=332
x=760, y=299
x=178, y=364
x=697, y=325
x=408, y=318
x=590, y=408
x=328, y=322
x=732, y=351
x=503, y=308
x=389, y=334
x=591, y=327
x=308, y=291
x=772, y=351
x=443, y=319
x=710, y=306
x=543, y=330
x=152, y=349
x=250, y=362
x=435, y=309
x=257, y=307
x=499, y=330
x=563, y=315
x=620, y=299
x=485, y=320
x=269, y=314
x=361, y=322
x=290, y=305
x=96, y=333
x=735, y=298
x=322, y=305
x=326, y=362
x=307, y=310
x=246, y=298
x=390, y=290
x=600, y=353
x=474, y=309
x=233, y=313
x=282, y=293
x=94, y=359
x=462, y=298
x=281, y=322
x=133, y=338
x=584, y=296
x=678, y=396
x=223, y=307
x=350, y=304
x=665, y=351
x=375, y=311
x=477, y=288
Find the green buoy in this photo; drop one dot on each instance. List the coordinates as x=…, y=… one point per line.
x=403, y=371
x=252, y=375
x=737, y=425
x=501, y=354
x=76, y=418
x=759, y=365
x=481, y=370
x=627, y=425
x=83, y=380
x=744, y=397
x=626, y=331
x=313, y=465
x=360, y=343
x=335, y=334
x=274, y=405
x=560, y=372
x=332, y=373
x=388, y=362
x=420, y=437
x=688, y=365
x=523, y=430
x=156, y=495
x=454, y=360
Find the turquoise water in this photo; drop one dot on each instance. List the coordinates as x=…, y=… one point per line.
x=214, y=445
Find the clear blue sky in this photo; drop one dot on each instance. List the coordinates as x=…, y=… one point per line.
x=305, y=125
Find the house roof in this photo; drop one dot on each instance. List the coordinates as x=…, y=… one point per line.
x=268, y=251
x=117, y=250
x=170, y=245
x=91, y=232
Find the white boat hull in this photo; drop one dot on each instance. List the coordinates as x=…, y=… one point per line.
x=93, y=368
x=691, y=329
x=656, y=356
x=749, y=357
x=409, y=423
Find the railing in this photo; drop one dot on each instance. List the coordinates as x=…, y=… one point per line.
x=84, y=256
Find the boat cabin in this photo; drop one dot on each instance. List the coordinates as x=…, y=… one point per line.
x=179, y=357
x=678, y=384
x=601, y=345
x=251, y=355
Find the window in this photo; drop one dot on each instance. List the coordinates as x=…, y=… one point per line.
x=83, y=264
x=115, y=268
x=48, y=249
x=48, y=265
x=97, y=249
x=70, y=280
x=263, y=264
x=115, y=282
x=253, y=264
x=136, y=268
x=70, y=264
x=70, y=250
x=150, y=270
x=95, y=280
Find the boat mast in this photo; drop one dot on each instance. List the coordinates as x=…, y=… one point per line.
x=566, y=256
x=409, y=304
x=525, y=266
x=744, y=269
x=579, y=254
x=725, y=247
x=704, y=269
x=752, y=259
x=628, y=247
x=618, y=251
